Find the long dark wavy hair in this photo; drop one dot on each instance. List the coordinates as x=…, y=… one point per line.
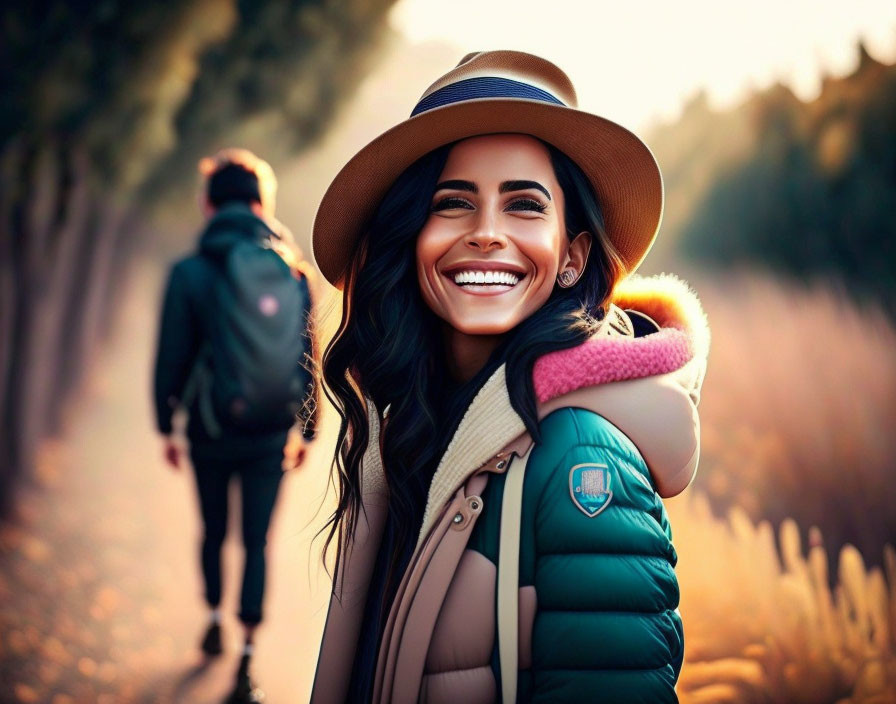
x=388, y=347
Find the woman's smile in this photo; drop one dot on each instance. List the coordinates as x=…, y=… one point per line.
x=484, y=278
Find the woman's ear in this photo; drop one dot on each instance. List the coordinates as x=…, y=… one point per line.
x=577, y=253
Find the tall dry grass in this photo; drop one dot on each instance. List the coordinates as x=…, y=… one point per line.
x=798, y=415
x=762, y=623
x=799, y=409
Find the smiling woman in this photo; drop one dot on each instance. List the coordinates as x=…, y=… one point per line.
x=507, y=428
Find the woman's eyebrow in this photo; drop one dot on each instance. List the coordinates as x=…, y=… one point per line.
x=458, y=185
x=508, y=186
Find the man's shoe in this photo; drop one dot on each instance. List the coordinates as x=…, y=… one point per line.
x=246, y=691
x=211, y=643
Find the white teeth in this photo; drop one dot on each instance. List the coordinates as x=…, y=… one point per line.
x=486, y=277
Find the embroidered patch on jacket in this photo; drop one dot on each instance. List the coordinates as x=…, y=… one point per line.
x=589, y=487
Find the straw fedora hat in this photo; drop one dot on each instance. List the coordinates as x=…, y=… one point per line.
x=496, y=92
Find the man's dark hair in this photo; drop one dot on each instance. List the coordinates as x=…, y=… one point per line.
x=233, y=182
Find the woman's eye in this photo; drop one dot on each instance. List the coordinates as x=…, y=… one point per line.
x=527, y=204
x=451, y=204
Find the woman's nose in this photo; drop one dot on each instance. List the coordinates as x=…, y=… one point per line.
x=486, y=236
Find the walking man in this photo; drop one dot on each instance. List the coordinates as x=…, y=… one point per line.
x=234, y=350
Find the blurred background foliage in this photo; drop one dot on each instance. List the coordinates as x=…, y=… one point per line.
x=803, y=189
x=107, y=108
x=778, y=210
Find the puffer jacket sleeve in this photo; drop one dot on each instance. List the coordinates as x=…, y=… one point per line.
x=596, y=548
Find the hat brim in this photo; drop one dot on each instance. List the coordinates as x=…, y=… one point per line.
x=621, y=168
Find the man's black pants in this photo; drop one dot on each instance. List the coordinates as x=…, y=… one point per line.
x=259, y=480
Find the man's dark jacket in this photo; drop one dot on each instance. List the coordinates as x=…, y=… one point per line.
x=187, y=308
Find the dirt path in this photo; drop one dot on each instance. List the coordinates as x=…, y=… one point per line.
x=100, y=593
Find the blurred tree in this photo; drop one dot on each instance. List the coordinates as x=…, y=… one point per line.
x=692, y=152
x=107, y=107
x=809, y=191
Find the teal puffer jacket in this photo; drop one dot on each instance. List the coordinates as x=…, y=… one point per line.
x=606, y=627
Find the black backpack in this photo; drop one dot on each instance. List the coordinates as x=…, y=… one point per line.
x=254, y=373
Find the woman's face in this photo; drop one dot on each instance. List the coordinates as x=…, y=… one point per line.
x=489, y=253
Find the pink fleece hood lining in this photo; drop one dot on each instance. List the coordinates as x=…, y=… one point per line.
x=683, y=336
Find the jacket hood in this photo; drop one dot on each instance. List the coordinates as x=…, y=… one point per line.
x=615, y=353
x=648, y=386
x=232, y=223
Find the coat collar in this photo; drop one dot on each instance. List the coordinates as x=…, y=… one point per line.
x=489, y=424
x=233, y=223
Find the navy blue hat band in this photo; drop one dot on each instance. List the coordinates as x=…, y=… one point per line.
x=483, y=87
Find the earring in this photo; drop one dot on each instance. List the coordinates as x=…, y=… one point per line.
x=568, y=278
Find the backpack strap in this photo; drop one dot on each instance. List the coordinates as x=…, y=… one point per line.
x=509, y=576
